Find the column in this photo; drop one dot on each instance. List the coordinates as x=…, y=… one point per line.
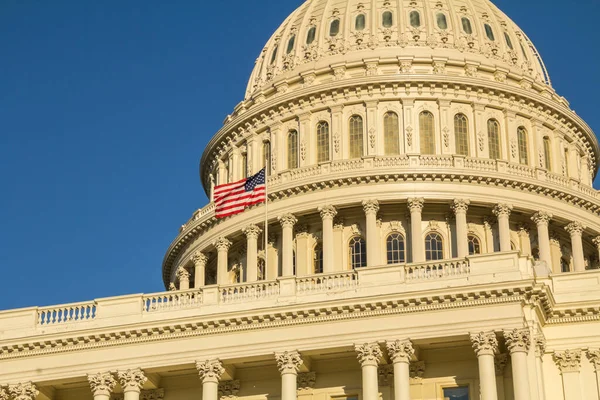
x=327, y=215
x=23, y=391
x=199, y=259
x=184, y=278
x=542, y=219
x=502, y=211
x=210, y=372
x=102, y=385
x=287, y=224
x=540, y=349
x=132, y=382
x=518, y=342
x=594, y=357
x=252, y=232
x=575, y=229
x=460, y=207
x=596, y=241
x=371, y=207
x=401, y=352
x=222, y=244
x=369, y=355
x=485, y=345
x=415, y=205
x=569, y=364
x=289, y=363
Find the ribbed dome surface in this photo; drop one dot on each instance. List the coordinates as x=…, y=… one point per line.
x=322, y=33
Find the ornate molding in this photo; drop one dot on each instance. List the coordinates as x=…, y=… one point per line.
x=3, y=394
x=517, y=340
x=385, y=375
x=417, y=370
x=460, y=206
x=23, y=391
x=327, y=211
x=154, y=394
x=416, y=204
x=199, y=259
x=484, y=343
x=102, y=383
x=502, y=210
x=252, y=231
x=182, y=274
x=210, y=370
x=229, y=389
x=368, y=353
x=500, y=361
x=568, y=360
x=306, y=380
x=400, y=350
x=288, y=362
x=575, y=228
x=132, y=380
x=594, y=357
x=287, y=220
x=541, y=218
x=222, y=244
x=370, y=206
x=540, y=345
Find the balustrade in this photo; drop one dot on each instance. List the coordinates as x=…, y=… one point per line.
x=436, y=270
x=250, y=291
x=68, y=313
x=172, y=300
x=327, y=282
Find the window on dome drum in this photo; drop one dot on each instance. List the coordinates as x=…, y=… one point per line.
x=522, y=141
x=434, y=247
x=318, y=259
x=564, y=265
x=456, y=393
x=523, y=51
x=474, y=245
x=274, y=54
x=535, y=253
x=508, y=41
x=267, y=157
x=360, y=22
x=358, y=252
x=547, y=154
x=489, y=32
x=310, y=36
x=355, y=132
x=292, y=148
x=494, y=139
x=244, y=165
x=396, y=251
x=442, y=23
x=391, y=133
x=262, y=273
x=334, y=28
x=290, y=45
x=466, y=25
x=461, y=134
x=415, y=19
x=426, y=133
x=387, y=19
x=322, y=142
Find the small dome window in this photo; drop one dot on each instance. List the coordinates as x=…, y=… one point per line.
x=310, y=36
x=360, y=22
x=508, y=41
x=524, y=52
x=442, y=23
x=415, y=19
x=274, y=54
x=489, y=32
x=387, y=19
x=290, y=45
x=334, y=28
x=466, y=25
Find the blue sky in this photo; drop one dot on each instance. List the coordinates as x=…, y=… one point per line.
x=105, y=108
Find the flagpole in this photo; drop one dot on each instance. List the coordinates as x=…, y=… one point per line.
x=267, y=154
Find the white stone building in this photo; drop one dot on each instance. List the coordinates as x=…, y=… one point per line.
x=432, y=232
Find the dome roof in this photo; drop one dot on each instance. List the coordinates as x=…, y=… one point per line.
x=324, y=33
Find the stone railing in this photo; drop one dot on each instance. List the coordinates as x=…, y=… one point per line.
x=327, y=282
x=249, y=291
x=436, y=270
x=66, y=314
x=175, y=300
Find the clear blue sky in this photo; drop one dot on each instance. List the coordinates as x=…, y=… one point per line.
x=105, y=108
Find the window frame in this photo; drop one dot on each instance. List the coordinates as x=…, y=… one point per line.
x=547, y=144
x=311, y=35
x=461, y=137
x=356, y=134
x=437, y=20
x=391, y=133
x=322, y=124
x=466, y=22
x=471, y=237
x=497, y=142
x=523, y=145
x=292, y=149
x=357, y=240
x=489, y=32
x=438, y=251
x=383, y=19
x=427, y=142
x=414, y=22
x=401, y=250
x=364, y=22
x=337, y=23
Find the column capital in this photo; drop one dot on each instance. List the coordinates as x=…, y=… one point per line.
x=306, y=380
x=460, y=206
x=540, y=345
x=23, y=391
x=327, y=211
x=500, y=361
x=415, y=204
x=3, y=394
x=575, y=228
x=518, y=340
x=541, y=218
x=288, y=362
x=229, y=389
x=596, y=241
x=502, y=210
x=210, y=370
x=368, y=353
x=222, y=244
x=594, y=357
x=568, y=360
x=252, y=231
x=132, y=380
x=523, y=230
x=102, y=383
x=287, y=220
x=199, y=259
x=182, y=274
x=400, y=350
x=484, y=343
x=370, y=206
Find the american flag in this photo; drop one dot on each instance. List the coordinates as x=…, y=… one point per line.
x=233, y=198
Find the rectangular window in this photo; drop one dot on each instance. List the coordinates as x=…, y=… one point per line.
x=456, y=393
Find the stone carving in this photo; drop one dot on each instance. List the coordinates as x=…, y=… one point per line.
x=575, y=228
x=409, y=135
x=339, y=73
x=252, y=231
x=500, y=76
x=222, y=244
x=287, y=220
x=336, y=142
x=416, y=204
x=306, y=380
x=182, y=274
x=371, y=69
x=405, y=67
x=156, y=394
x=370, y=206
x=102, y=383
x=568, y=360
x=439, y=67
x=518, y=340
x=594, y=357
x=288, y=362
x=23, y=391
x=132, y=380
x=471, y=70
x=327, y=211
x=540, y=345
x=385, y=375
x=210, y=370
x=502, y=210
x=3, y=394
x=372, y=137
x=541, y=217
x=417, y=370
x=596, y=241
x=368, y=353
x=500, y=361
x=303, y=150
x=484, y=343
x=229, y=389
x=460, y=206
x=400, y=350
x=446, y=135
x=172, y=287
x=199, y=259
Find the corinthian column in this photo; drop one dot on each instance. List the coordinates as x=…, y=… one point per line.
x=102, y=385
x=401, y=351
x=594, y=357
x=575, y=229
x=132, y=382
x=222, y=244
x=289, y=363
x=371, y=207
x=460, y=207
x=416, y=208
x=369, y=355
x=287, y=224
x=327, y=215
x=569, y=363
x=184, y=278
x=502, y=212
x=199, y=259
x=23, y=391
x=485, y=345
x=542, y=219
x=252, y=232
x=518, y=342
x=210, y=372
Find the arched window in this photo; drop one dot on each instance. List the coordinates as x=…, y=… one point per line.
x=489, y=32
x=474, y=245
x=415, y=19
x=442, y=23
x=522, y=141
x=523, y=51
x=564, y=265
x=434, y=247
x=426, y=133
x=322, y=142
x=292, y=148
x=360, y=22
x=274, y=54
x=494, y=139
x=391, y=133
x=318, y=259
x=461, y=134
x=334, y=28
x=290, y=45
x=244, y=165
x=355, y=132
x=396, y=251
x=358, y=252
x=387, y=19
x=508, y=41
x=466, y=25
x=547, y=154
x=311, y=34
x=267, y=157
